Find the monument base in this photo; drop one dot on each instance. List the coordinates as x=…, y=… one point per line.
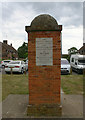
x=44, y=110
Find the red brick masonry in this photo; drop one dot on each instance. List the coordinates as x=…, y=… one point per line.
x=44, y=81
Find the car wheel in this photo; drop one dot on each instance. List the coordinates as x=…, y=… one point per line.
x=22, y=71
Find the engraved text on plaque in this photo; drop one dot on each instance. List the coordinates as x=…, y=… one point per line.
x=44, y=51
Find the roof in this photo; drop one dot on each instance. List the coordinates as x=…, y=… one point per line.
x=17, y=61
x=82, y=48
x=8, y=47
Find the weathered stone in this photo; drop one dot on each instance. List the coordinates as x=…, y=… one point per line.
x=44, y=110
x=43, y=22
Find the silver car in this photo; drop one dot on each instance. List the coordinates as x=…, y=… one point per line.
x=26, y=63
x=65, y=66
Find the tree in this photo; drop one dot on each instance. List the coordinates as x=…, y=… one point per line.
x=23, y=51
x=72, y=50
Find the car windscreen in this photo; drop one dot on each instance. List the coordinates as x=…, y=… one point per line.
x=64, y=62
x=81, y=62
x=14, y=63
x=6, y=61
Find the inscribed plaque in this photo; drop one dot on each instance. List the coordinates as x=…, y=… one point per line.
x=44, y=51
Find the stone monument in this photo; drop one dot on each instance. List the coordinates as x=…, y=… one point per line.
x=44, y=55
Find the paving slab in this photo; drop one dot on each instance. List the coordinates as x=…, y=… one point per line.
x=72, y=106
x=15, y=106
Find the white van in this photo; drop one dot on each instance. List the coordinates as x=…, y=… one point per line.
x=77, y=62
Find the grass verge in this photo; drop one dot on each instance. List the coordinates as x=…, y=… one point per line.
x=14, y=84
x=72, y=84
x=18, y=84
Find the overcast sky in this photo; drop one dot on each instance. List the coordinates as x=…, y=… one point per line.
x=17, y=15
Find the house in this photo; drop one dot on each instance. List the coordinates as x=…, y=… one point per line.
x=8, y=51
x=81, y=51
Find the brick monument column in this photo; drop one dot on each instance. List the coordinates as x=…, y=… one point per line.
x=44, y=55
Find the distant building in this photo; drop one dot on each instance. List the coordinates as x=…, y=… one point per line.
x=82, y=50
x=8, y=51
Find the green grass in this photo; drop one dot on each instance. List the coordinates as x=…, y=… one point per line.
x=72, y=84
x=14, y=84
x=18, y=84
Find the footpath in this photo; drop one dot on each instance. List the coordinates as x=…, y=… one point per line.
x=15, y=106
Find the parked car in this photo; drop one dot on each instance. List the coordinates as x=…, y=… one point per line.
x=65, y=66
x=15, y=66
x=0, y=67
x=26, y=63
x=5, y=62
x=77, y=63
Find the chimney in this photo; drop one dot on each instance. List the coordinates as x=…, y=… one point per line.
x=11, y=44
x=5, y=41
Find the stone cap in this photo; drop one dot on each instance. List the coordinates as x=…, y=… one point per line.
x=43, y=22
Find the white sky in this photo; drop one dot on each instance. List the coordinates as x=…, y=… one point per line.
x=17, y=15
